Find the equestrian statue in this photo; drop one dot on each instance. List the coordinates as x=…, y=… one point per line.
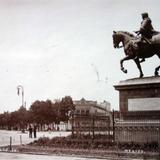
x=138, y=47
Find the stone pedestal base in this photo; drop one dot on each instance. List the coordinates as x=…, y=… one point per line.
x=139, y=97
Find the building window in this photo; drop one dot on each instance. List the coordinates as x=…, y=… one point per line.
x=87, y=112
x=82, y=112
x=78, y=111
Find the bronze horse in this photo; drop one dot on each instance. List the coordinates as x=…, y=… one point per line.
x=134, y=51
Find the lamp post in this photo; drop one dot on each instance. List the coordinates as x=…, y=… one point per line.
x=19, y=87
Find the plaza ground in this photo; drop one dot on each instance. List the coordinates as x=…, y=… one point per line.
x=19, y=138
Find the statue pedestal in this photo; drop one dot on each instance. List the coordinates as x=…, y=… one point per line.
x=139, y=98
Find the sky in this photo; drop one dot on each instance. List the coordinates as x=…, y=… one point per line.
x=57, y=48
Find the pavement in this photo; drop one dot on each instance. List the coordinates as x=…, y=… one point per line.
x=19, y=138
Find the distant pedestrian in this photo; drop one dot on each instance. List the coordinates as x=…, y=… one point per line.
x=35, y=131
x=30, y=131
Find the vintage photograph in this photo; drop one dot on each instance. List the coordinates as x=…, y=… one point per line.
x=79, y=79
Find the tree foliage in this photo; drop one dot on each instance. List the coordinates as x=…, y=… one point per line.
x=66, y=106
x=40, y=112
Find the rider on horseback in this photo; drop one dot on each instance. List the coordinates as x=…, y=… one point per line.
x=146, y=30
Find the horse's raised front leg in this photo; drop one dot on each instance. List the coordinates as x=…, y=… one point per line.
x=139, y=67
x=157, y=68
x=121, y=63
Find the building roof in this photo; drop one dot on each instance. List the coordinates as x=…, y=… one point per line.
x=94, y=104
x=86, y=102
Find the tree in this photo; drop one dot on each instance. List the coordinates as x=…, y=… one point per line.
x=34, y=112
x=56, y=108
x=6, y=120
x=22, y=117
x=66, y=106
x=42, y=112
x=14, y=117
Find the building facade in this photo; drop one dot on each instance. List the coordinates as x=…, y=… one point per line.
x=90, y=116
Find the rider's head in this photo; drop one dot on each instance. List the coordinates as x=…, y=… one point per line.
x=144, y=15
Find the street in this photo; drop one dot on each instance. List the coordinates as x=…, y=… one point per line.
x=17, y=156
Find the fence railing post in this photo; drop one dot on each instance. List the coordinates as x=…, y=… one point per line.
x=113, y=121
x=10, y=145
x=20, y=139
